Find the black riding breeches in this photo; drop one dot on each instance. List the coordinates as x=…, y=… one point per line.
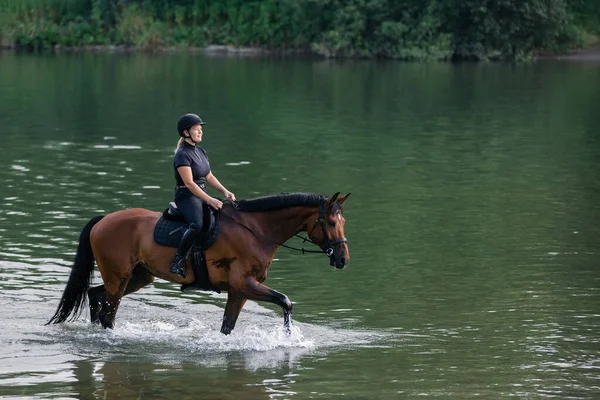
x=190, y=206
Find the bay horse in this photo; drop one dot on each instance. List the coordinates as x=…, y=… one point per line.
x=251, y=231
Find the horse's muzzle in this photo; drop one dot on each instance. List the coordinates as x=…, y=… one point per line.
x=338, y=262
x=338, y=256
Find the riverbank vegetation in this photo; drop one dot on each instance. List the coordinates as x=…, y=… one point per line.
x=397, y=29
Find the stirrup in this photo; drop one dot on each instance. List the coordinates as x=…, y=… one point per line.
x=179, y=266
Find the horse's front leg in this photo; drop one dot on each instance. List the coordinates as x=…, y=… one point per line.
x=254, y=290
x=232, y=310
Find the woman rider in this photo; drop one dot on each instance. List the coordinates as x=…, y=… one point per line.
x=192, y=172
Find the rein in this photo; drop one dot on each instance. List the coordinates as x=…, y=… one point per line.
x=321, y=220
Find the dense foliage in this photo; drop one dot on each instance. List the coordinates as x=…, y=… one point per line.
x=402, y=29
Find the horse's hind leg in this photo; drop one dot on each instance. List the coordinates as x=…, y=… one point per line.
x=140, y=277
x=108, y=312
x=254, y=290
x=116, y=275
x=97, y=297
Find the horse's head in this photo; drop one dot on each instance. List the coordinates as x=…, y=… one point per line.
x=328, y=231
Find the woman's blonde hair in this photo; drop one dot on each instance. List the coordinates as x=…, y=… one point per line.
x=179, y=144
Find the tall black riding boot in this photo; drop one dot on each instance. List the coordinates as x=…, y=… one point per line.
x=179, y=266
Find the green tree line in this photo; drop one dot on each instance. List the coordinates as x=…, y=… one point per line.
x=398, y=29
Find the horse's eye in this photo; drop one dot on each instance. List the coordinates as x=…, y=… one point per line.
x=331, y=224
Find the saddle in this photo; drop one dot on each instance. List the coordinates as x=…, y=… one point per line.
x=169, y=230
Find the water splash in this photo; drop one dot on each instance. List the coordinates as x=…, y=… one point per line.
x=258, y=341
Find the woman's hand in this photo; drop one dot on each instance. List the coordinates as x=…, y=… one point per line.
x=215, y=203
x=228, y=195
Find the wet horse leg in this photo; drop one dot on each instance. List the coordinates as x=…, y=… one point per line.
x=232, y=310
x=254, y=290
x=116, y=275
x=108, y=312
x=97, y=297
x=140, y=277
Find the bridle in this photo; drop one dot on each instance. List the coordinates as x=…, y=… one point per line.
x=329, y=245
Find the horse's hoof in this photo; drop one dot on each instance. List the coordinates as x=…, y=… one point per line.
x=225, y=331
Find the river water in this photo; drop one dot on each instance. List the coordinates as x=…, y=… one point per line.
x=472, y=225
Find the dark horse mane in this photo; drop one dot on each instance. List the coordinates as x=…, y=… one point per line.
x=279, y=201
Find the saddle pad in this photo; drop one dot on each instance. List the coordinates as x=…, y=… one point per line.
x=169, y=233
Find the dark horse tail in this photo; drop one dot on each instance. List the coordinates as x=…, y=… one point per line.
x=79, y=281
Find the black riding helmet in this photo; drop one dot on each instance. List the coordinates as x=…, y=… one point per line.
x=187, y=121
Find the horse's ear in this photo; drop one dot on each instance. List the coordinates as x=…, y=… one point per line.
x=342, y=199
x=333, y=199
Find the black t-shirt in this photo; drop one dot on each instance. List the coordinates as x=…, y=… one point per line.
x=194, y=157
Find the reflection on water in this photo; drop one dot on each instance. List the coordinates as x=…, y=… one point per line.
x=472, y=226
